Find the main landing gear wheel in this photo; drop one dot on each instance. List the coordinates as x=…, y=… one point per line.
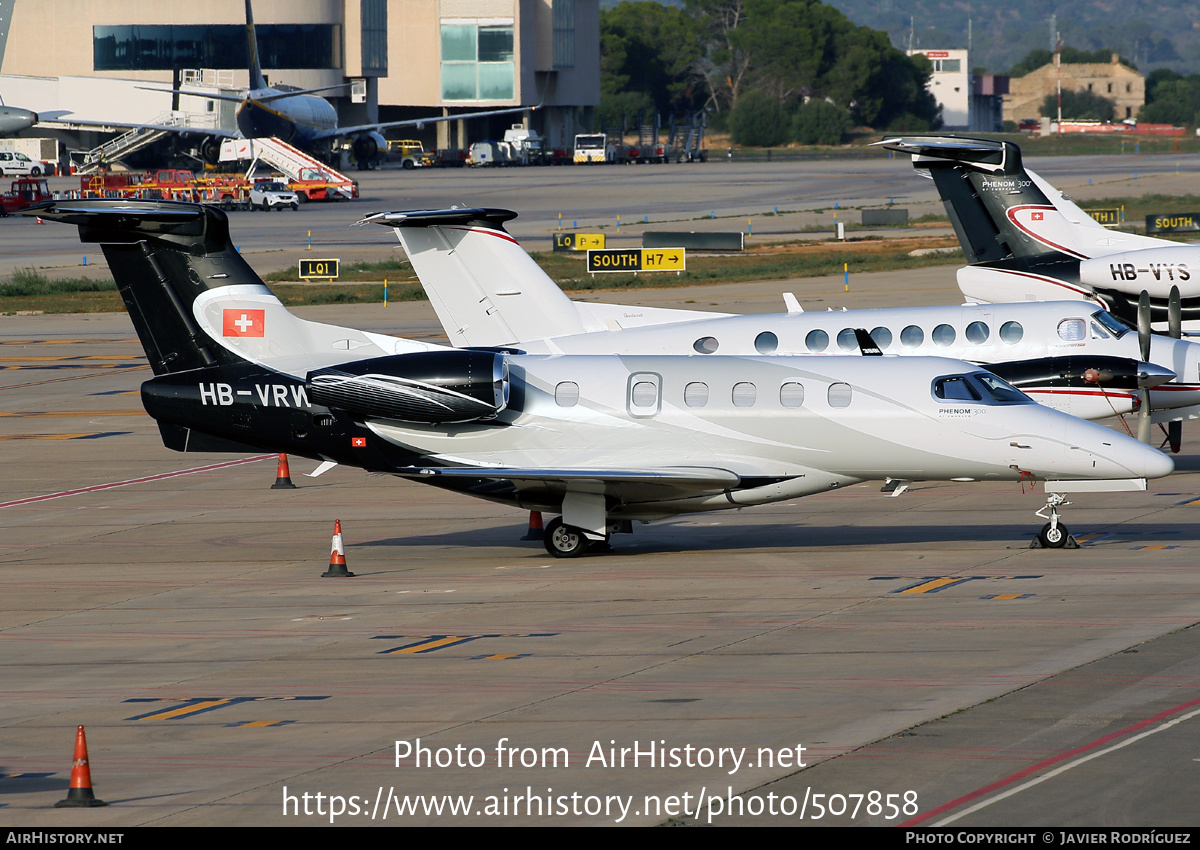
x=564, y=541
x=1053, y=536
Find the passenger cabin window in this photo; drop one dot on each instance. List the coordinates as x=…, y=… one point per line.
x=978, y=333
x=566, y=394
x=644, y=396
x=943, y=335
x=744, y=394
x=846, y=340
x=791, y=394
x=839, y=395
x=766, y=343
x=882, y=337
x=912, y=336
x=1011, y=332
x=1072, y=330
x=706, y=345
x=695, y=394
x=817, y=340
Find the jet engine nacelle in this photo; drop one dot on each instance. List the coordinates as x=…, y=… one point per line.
x=210, y=150
x=429, y=387
x=1155, y=270
x=367, y=146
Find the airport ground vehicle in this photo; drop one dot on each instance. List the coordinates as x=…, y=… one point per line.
x=25, y=192
x=268, y=195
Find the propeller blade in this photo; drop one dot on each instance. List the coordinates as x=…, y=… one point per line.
x=1174, y=314
x=1144, y=423
x=1175, y=435
x=1143, y=324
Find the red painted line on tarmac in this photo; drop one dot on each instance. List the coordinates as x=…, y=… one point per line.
x=1042, y=765
x=158, y=477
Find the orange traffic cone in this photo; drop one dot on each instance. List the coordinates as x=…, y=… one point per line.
x=337, y=558
x=536, y=531
x=80, y=793
x=283, y=476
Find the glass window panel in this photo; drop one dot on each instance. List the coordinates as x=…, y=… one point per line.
x=744, y=394
x=1011, y=332
x=846, y=340
x=791, y=394
x=645, y=394
x=943, y=335
x=566, y=394
x=706, y=345
x=766, y=343
x=458, y=43
x=977, y=333
x=1072, y=330
x=695, y=394
x=840, y=395
x=817, y=340
x=458, y=82
x=912, y=336
x=882, y=337
x=496, y=81
x=495, y=44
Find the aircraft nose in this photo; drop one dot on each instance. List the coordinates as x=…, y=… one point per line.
x=1152, y=375
x=1155, y=464
x=1129, y=458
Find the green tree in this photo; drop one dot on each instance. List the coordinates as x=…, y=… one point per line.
x=819, y=122
x=802, y=48
x=650, y=49
x=758, y=120
x=1171, y=98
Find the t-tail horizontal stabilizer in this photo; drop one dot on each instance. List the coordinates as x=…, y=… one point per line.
x=487, y=291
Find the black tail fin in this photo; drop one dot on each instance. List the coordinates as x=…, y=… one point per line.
x=979, y=181
x=163, y=255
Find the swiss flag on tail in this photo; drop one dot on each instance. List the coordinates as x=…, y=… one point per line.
x=244, y=323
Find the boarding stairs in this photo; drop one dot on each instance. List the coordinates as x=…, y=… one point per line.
x=290, y=161
x=128, y=142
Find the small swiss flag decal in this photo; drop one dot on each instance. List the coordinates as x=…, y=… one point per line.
x=358, y=442
x=1037, y=216
x=244, y=322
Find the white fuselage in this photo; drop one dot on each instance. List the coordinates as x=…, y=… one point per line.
x=978, y=333
x=810, y=424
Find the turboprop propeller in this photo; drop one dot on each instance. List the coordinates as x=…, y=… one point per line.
x=1174, y=429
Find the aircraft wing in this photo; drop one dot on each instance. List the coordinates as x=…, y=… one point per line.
x=182, y=129
x=680, y=478
x=338, y=132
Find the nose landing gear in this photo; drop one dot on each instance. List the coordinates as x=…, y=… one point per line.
x=1054, y=535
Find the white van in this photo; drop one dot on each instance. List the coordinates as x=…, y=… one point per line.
x=15, y=162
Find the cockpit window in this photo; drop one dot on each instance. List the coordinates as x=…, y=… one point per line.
x=1000, y=389
x=956, y=388
x=1111, y=323
x=979, y=387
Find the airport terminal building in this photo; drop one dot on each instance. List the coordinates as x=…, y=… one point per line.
x=381, y=60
